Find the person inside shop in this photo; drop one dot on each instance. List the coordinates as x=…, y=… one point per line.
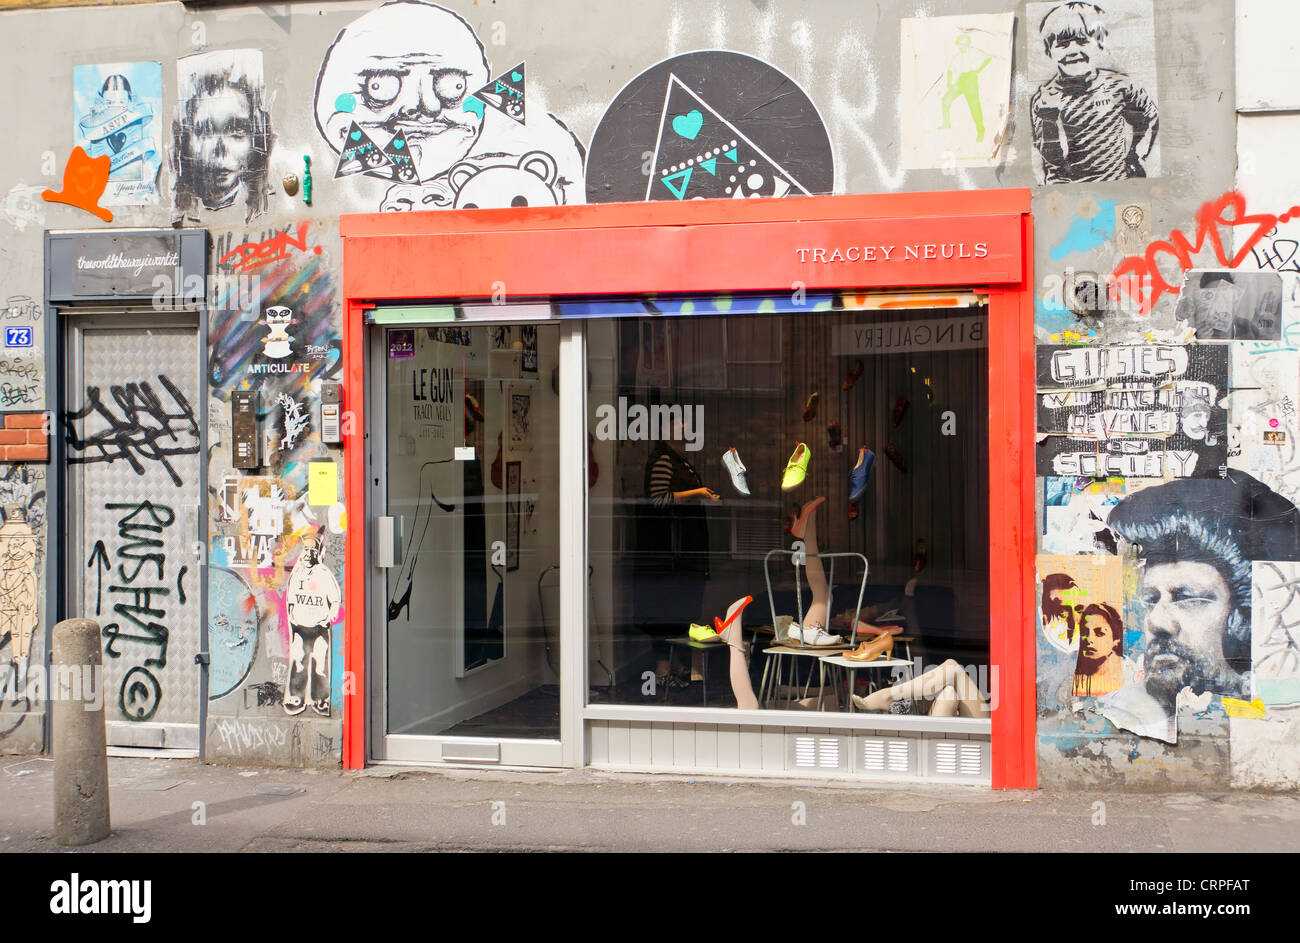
x=672, y=546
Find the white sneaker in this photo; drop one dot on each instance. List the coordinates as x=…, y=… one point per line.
x=813, y=635
x=731, y=459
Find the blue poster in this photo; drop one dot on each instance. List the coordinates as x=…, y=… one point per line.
x=117, y=110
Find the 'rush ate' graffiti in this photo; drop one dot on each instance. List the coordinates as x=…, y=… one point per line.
x=142, y=588
x=1139, y=275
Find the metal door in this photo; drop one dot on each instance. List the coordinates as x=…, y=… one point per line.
x=131, y=428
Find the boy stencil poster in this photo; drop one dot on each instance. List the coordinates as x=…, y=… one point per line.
x=956, y=76
x=1094, y=112
x=117, y=112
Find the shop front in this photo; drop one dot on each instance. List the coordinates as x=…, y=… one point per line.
x=733, y=487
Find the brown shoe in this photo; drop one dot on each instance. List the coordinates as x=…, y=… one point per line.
x=870, y=651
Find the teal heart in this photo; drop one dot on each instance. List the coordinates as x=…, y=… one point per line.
x=689, y=124
x=356, y=135
x=516, y=77
x=399, y=144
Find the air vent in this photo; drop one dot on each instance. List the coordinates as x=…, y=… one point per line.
x=886, y=756
x=817, y=752
x=966, y=758
x=900, y=756
x=873, y=756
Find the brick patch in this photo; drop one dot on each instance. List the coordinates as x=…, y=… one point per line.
x=23, y=438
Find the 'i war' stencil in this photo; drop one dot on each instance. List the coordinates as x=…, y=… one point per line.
x=699, y=154
x=1143, y=412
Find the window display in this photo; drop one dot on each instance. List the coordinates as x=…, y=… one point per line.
x=746, y=548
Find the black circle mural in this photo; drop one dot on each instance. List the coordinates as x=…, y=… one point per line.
x=708, y=125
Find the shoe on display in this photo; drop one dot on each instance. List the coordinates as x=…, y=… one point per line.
x=810, y=408
x=853, y=510
x=893, y=455
x=853, y=375
x=733, y=613
x=919, y=558
x=873, y=649
x=473, y=408
x=813, y=635
x=900, y=409
x=731, y=459
x=836, y=440
x=796, y=470
x=702, y=633
x=800, y=522
x=859, y=475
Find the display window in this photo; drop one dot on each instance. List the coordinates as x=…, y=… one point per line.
x=791, y=510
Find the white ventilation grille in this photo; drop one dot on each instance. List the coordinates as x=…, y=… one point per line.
x=900, y=756
x=873, y=756
x=817, y=752
x=959, y=759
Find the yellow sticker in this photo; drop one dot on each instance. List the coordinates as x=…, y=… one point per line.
x=322, y=484
x=1239, y=708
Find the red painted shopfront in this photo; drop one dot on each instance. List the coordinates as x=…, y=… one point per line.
x=978, y=241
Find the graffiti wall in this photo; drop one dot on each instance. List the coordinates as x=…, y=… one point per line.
x=1166, y=318
x=276, y=521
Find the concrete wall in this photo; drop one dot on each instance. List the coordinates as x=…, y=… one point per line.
x=830, y=97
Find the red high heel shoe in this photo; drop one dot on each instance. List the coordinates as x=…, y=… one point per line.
x=736, y=609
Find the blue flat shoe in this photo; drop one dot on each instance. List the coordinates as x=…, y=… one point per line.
x=860, y=473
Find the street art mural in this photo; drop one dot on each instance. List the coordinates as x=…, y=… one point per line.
x=415, y=114
x=714, y=125
x=275, y=574
x=1145, y=411
x=957, y=71
x=222, y=136
x=118, y=112
x=1094, y=115
x=1232, y=305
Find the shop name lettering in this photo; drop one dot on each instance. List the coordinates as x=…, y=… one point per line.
x=637, y=423
x=137, y=264
x=432, y=390
x=922, y=251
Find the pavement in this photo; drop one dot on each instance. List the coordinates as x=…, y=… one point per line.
x=185, y=805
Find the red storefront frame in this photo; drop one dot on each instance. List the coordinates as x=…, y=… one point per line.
x=981, y=240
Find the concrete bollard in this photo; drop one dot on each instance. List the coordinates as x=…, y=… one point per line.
x=80, y=747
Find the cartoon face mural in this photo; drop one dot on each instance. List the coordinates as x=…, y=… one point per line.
x=221, y=138
x=373, y=78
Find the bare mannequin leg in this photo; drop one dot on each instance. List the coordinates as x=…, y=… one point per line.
x=816, y=614
x=949, y=674
x=741, y=687
x=945, y=703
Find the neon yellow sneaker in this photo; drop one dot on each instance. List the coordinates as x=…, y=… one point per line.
x=702, y=633
x=797, y=469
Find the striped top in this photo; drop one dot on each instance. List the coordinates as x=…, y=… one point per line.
x=661, y=480
x=1094, y=133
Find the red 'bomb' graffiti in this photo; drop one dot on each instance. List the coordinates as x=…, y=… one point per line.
x=1140, y=276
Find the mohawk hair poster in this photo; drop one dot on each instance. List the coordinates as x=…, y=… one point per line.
x=117, y=112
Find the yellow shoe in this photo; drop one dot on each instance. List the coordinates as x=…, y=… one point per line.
x=797, y=469
x=702, y=633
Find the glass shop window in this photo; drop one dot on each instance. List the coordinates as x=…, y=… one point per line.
x=788, y=503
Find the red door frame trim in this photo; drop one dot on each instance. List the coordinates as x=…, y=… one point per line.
x=632, y=248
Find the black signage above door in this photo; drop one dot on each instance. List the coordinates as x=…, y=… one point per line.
x=156, y=264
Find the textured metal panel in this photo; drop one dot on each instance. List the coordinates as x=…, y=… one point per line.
x=819, y=752
x=958, y=759
x=135, y=419
x=886, y=756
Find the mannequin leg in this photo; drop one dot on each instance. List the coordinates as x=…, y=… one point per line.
x=945, y=703
x=949, y=674
x=817, y=612
x=741, y=686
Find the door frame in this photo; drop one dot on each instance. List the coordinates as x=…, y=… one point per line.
x=660, y=247
x=60, y=322
x=433, y=749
